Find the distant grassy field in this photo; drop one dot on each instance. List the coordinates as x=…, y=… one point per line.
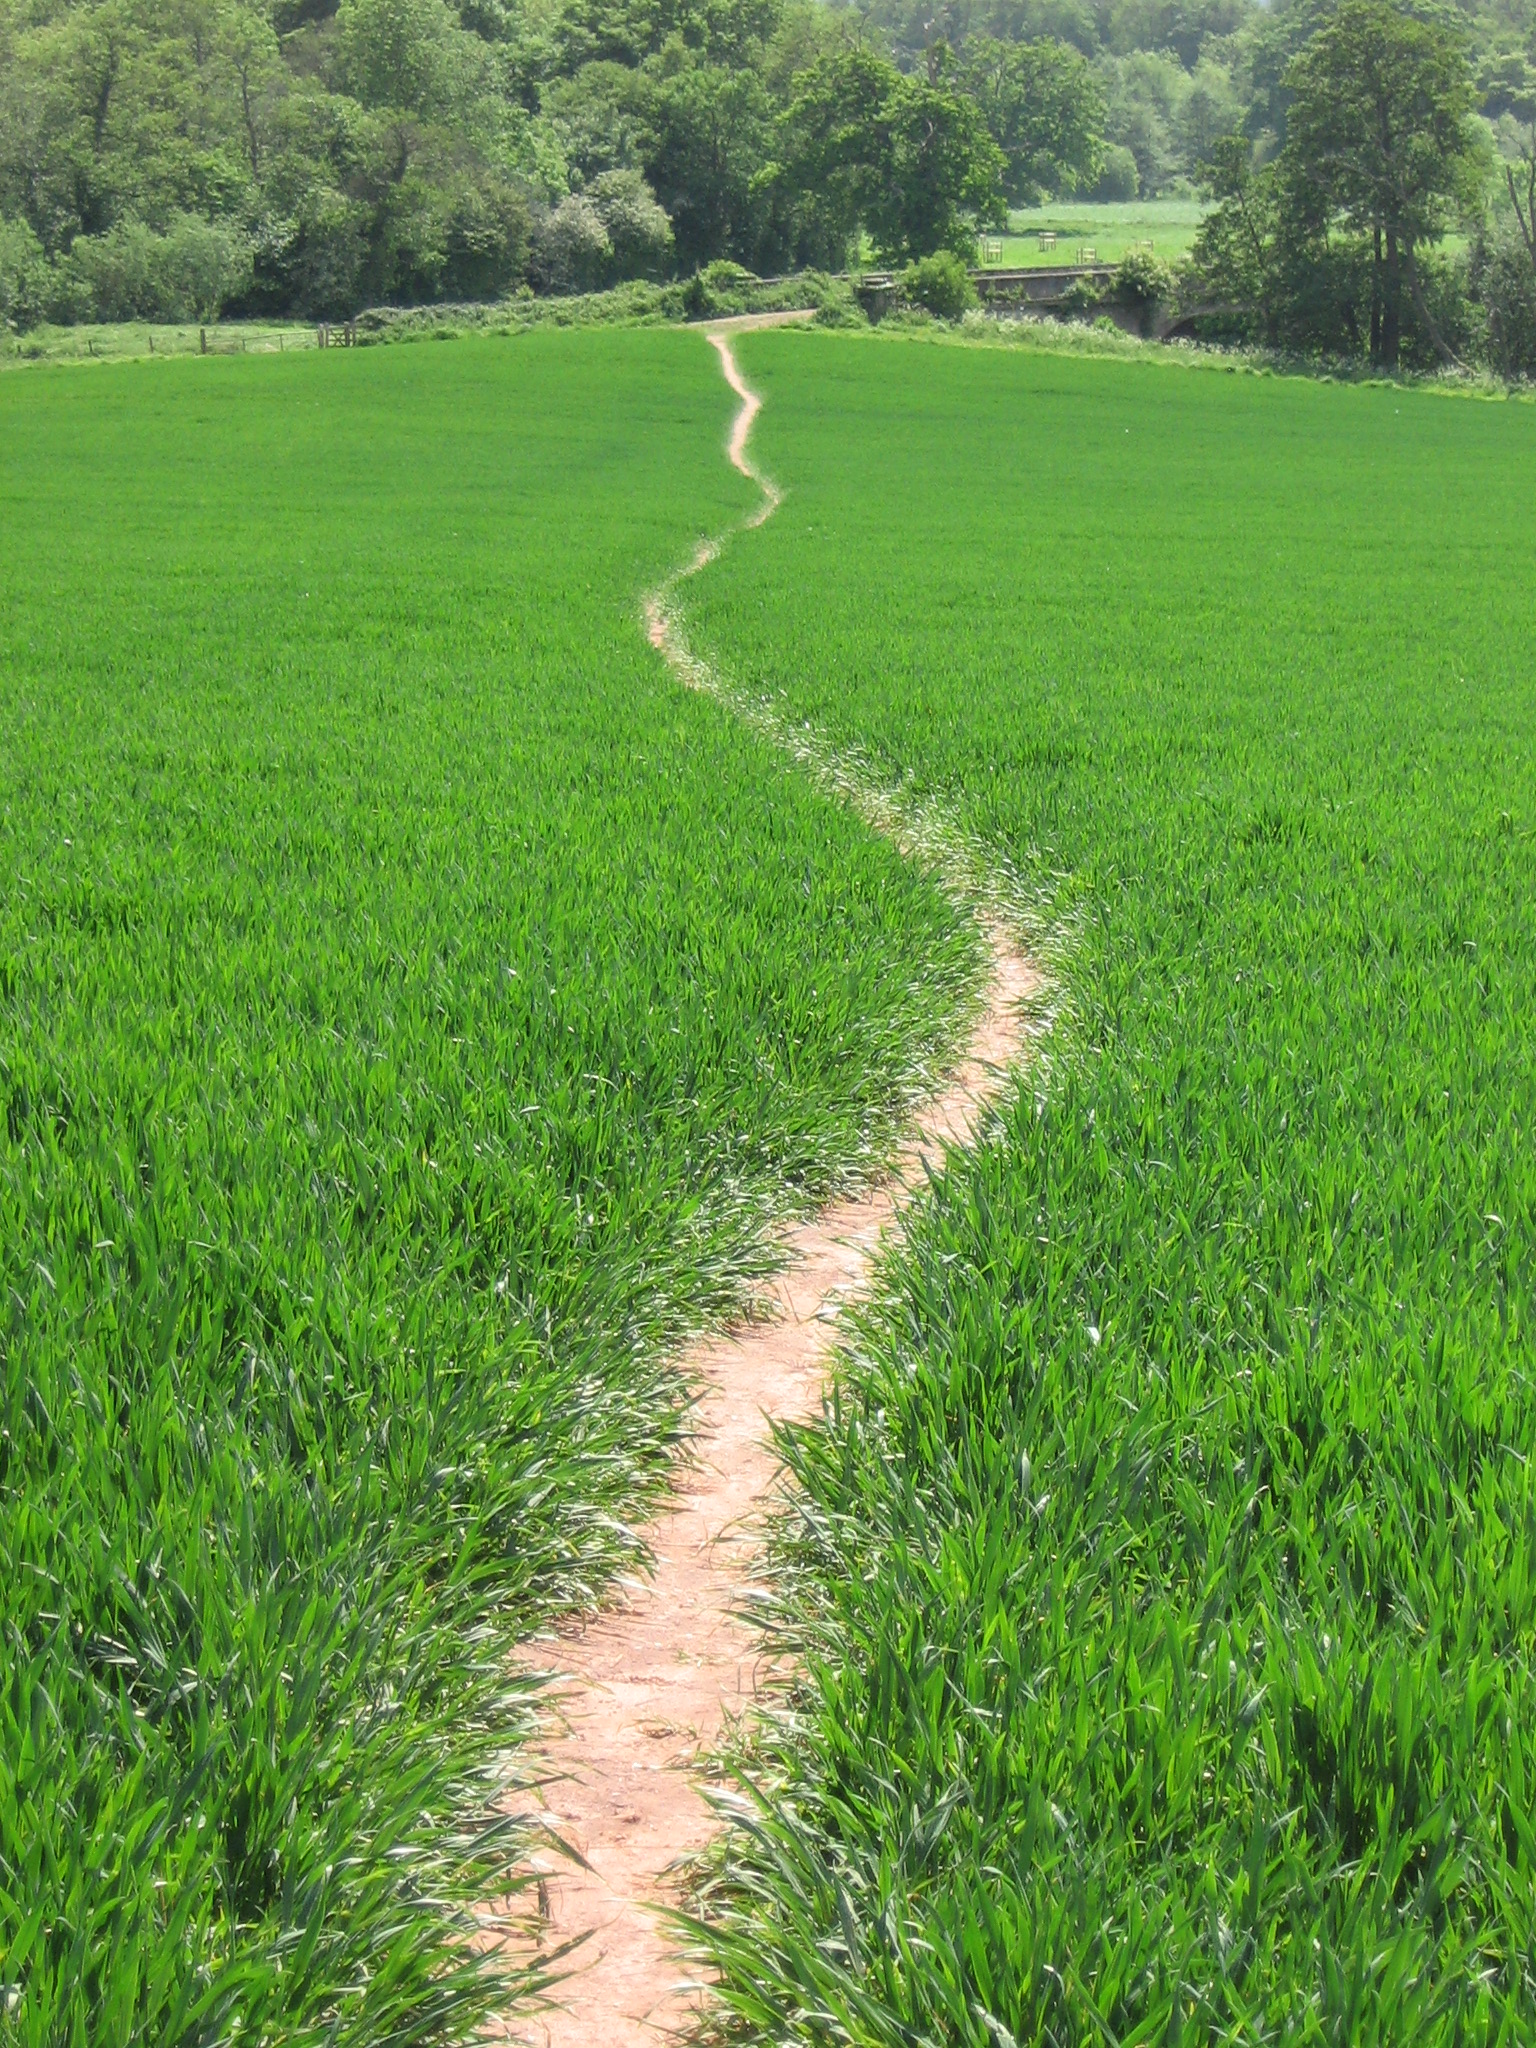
x=128, y=338
x=1167, y=1564
x=411, y=1007
x=1109, y=229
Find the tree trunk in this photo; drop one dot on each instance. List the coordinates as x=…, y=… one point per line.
x=1376, y=303
x=1391, y=312
x=250, y=121
x=1526, y=215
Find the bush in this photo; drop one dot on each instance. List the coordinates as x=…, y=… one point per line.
x=611, y=233
x=312, y=262
x=1443, y=281
x=487, y=243
x=724, y=276
x=637, y=226
x=1118, y=175
x=201, y=265
x=571, y=250
x=1142, y=279
x=131, y=273
x=1503, y=281
x=720, y=287
x=1143, y=282
x=117, y=272
x=1081, y=296
x=24, y=275
x=940, y=284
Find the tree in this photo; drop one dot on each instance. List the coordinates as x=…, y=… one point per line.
x=830, y=133
x=638, y=230
x=597, y=117
x=908, y=159
x=571, y=247
x=941, y=169
x=1503, y=280
x=1380, y=126
x=1213, y=109
x=408, y=55
x=1146, y=94
x=941, y=284
x=1236, y=258
x=705, y=135
x=1181, y=26
x=1045, y=111
x=725, y=33
x=1264, y=266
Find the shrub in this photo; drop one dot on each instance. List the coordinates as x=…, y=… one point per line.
x=1503, y=281
x=200, y=266
x=23, y=275
x=1118, y=176
x=940, y=284
x=131, y=273
x=1142, y=279
x=571, y=250
x=637, y=226
x=1081, y=296
x=723, y=276
x=720, y=287
x=117, y=272
x=312, y=262
x=1143, y=282
x=487, y=241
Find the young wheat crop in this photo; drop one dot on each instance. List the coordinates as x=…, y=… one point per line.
x=412, y=1010
x=1164, y=1569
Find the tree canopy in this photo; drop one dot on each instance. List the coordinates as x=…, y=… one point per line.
x=311, y=156
x=1323, y=245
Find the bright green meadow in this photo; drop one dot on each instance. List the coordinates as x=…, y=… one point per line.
x=1165, y=228
x=1165, y=1565
x=412, y=1007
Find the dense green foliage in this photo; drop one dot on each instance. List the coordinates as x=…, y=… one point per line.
x=1166, y=1566
x=1173, y=79
x=1323, y=248
x=308, y=156
x=940, y=284
x=175, y=159
x=411, y=1006
x=908, y=159
x=161, y=161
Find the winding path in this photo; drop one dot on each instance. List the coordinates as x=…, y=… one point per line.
x=649, y=1684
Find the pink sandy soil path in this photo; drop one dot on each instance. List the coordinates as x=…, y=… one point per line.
x=647, y=1686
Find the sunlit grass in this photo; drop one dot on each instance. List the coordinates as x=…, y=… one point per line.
x=1164, y=1568
x=413, y=1009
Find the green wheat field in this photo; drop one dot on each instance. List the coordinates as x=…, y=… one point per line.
x=1166, y=1567
x=411, y=1006
x=416, y=1010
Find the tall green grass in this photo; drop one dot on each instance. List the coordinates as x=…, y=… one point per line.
x=412, y=1006
x=1165, y=1565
